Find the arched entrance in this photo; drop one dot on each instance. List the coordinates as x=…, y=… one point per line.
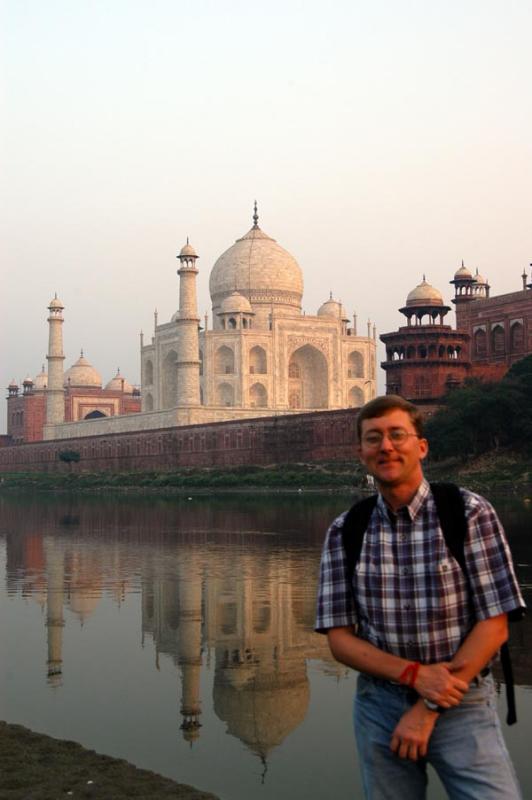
x=308, y=379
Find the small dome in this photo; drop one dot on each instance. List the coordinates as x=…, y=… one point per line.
x=27, y=381
x=175, y=316
x=480, y=279
x=424, y=295
x=236, y=303
x=188, y=250
x=462, y=274
x=119, y=384
x=82, y=373
x=41, y=380
x=333, y=308
x=56, y=303
x=13, y=384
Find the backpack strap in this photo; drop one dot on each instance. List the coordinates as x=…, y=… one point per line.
x=355, y=525
x=450, y=506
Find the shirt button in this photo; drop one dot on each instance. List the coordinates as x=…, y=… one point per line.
x=444, y=568
x=407, y=606
x=406, y=571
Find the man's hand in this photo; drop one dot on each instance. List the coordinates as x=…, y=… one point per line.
x=410, y=738
x=437, y=682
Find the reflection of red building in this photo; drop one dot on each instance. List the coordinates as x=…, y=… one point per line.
x=425, y=358
x=84, y=399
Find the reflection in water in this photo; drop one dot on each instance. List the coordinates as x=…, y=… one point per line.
x=227, y=593
x=210, y=582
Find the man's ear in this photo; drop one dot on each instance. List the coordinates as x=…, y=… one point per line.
x=423, y=448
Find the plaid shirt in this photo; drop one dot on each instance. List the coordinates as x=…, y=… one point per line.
x=409, y=595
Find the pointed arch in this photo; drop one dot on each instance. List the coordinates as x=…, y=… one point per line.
x=169, y=380
x=225, y=394
x=355, y=398
x=224, y=361
x=258, y=396
x=480, y=342
x=355, y=365
x=498, y=347
x=312, y=385
x=148, y=372
x=517, y=337
x=257, y=360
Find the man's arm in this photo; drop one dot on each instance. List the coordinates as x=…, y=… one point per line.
x=436, y=682
x=411, y=737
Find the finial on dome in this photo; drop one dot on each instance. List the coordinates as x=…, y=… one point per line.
x=330, y=295
x=424, y=278
x=255, y=215
x=81, y=353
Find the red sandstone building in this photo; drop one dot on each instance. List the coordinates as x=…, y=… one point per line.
x=425, y=358
x=85, y=398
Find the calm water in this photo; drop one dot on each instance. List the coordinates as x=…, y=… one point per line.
x=177, y=633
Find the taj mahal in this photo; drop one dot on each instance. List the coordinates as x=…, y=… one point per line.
x=262, y=355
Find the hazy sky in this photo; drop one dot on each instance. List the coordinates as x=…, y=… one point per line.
x=381, y=140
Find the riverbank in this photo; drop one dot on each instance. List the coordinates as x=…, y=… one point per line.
x=38, y=767
x=495, y=473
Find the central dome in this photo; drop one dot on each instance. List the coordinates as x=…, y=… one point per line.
x=259, y=269
x=82, y=374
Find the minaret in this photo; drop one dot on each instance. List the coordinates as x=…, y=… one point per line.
x=188, y=364
x=54, y=612
x=190, y=618
x=55, y=396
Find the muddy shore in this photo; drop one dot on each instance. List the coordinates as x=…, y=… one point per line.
x=38, y=767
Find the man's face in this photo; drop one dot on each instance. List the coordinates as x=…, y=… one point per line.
x=392, y=464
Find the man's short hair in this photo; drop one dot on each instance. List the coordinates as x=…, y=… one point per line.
x=380, y=406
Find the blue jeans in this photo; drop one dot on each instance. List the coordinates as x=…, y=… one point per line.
x=466, y=748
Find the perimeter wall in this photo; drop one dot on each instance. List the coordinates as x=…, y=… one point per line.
x=316, y=436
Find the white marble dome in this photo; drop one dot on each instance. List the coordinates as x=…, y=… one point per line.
x=332, y=308
x=83, y=374
x=41, y=380
x=188, y=251
x=259, y=268
x=119, y=384
x=424, y=295
x=236, y=303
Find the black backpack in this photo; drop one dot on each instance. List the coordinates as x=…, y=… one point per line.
x=451, y=512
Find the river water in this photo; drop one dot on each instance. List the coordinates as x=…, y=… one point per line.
x=178, y=633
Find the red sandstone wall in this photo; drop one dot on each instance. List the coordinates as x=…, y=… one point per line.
x=323, y=435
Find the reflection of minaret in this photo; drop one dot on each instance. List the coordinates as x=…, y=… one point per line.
x=189, y=588
x=54, y=614
x=188, y=364
x=55, y=398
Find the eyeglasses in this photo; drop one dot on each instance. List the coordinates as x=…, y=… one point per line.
x=397, y=437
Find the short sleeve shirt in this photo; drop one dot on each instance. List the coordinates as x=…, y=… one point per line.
x=409, y=596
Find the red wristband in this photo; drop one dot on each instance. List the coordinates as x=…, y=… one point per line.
x=409, y=675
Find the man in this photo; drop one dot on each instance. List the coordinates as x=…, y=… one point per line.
x=421, y=633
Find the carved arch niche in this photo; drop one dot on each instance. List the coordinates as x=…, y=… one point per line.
x=308, y=378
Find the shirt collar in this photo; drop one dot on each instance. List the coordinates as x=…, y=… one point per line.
x=414, y=506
